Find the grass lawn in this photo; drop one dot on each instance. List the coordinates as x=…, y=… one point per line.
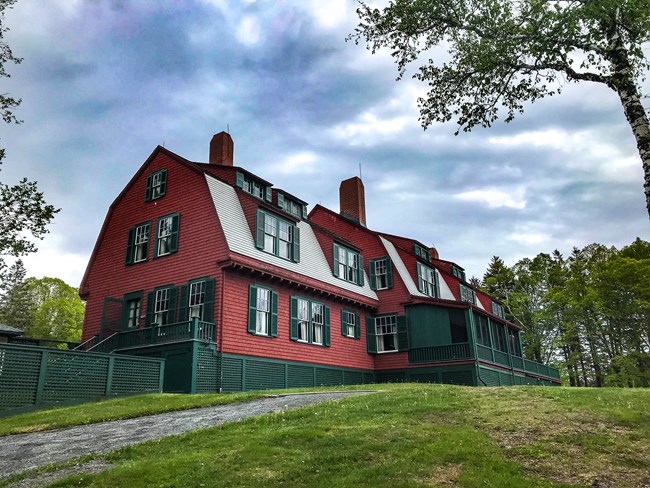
x=410, y=436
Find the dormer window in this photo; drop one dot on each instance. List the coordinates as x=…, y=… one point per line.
x=254, y=187
x=292, y=207
x=467, y=294
x=277, y=236
x=428, y=281
x=422, y=252
x=156, y=185
x=458, y=273
x=347, y=265
x=497, y=309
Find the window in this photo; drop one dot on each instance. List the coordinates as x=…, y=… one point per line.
x=132, y=308
x=467, y=294
x=381, y=273
x=197, y=300
x=497, y=309
x=262, y=311
x=277, y=236
x=291, y=207
x=350, y=326
x=348, y=264
x=458, y=273
x=482, y=330
x=167, y=235
x=161, y=306
x=499, y=335
x=427, y=280
x=310, y=322
x=387, y=333
x=422, y=252
x=156, y=185
x=515, y=346
x=138, y=243
x=255, y=188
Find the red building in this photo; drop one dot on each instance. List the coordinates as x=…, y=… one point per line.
x=239, y=288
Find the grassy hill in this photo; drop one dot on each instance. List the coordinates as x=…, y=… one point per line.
x=411, y=436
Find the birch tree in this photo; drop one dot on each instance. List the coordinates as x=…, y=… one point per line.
x=507, y=53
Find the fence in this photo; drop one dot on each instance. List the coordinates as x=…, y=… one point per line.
x=32, y=375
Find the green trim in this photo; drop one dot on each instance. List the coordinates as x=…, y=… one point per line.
x=359, y=280
x=125, y=307
x=148, y=194
x=293, y=327
x=130, y=244
x=345, y=324
x=260, y=224
x=371, y=336
x=173, y=234
x=252, y=311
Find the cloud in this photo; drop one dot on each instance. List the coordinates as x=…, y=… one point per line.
x=495, y=198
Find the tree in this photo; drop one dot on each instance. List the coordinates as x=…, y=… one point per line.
x=505, y=53
x=14, y=297
x=7, y=103
x=56, y=311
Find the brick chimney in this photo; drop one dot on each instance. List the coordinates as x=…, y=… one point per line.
x=353, y=200
x=222, y=149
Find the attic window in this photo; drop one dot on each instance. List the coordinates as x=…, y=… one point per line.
x=254, y=187
x=292, y=207
x=156, y=185
x=348, y=264
x=422, y=252
x=497, y=309
x=467, y=294
x=458, y=273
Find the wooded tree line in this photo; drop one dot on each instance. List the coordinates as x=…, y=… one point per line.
x=588, y=313
x=45, y=308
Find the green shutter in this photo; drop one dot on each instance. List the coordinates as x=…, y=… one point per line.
x=402, y=333
x=360, y=273
x=183, y=309
x=343, y=323
x=281, y=200
x=373, y=276
x=268, y=193
x=304, y=211
x=125, y=312
x=208, y=304
x=293, y=332
x=240, y=179
x=163, y=182
x=252, y=309
x=335, y=260
x=326, y=327
x=259, y=235
x=295, y=255
x=171, y=316
x=357, y=326
x=173, y=246
x=274, y=314
x=147, y=193
x=150, y=304
x=437, y=281
x=371, y=337
x=130, y=246
x=389, y=273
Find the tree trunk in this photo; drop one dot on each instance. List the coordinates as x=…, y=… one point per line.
x=628, y=92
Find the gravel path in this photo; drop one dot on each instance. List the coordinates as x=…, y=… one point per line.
x=26, y=451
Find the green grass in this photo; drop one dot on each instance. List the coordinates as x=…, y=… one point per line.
x=409, y=436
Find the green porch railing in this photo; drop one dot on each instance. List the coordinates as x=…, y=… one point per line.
x=484, y=352
x=432, y=354
x=501, y=358
x=181, y=331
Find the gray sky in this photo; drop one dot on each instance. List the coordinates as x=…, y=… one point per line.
x=104, y=82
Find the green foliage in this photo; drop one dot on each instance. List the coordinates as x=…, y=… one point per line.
x=504, y=53
x=591, y=310
x=14, y=299
x=56, y=311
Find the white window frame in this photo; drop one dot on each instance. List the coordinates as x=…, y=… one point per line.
x=350, y=323
x=196, y=299
x=467, y=294
x=381, y=274
x=135, y=308
x=303, y=320
x=165, y=235
x=141, y=242
x=317, y=323
x=263, y=312
x=385, y=327
x=427, y=280
x=161, y=307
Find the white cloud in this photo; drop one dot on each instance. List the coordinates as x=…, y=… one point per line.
x=493, y=198
x=299, y=163
x=52, y=260
x=249, y=31
x=368, y=126
x=331, y=13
